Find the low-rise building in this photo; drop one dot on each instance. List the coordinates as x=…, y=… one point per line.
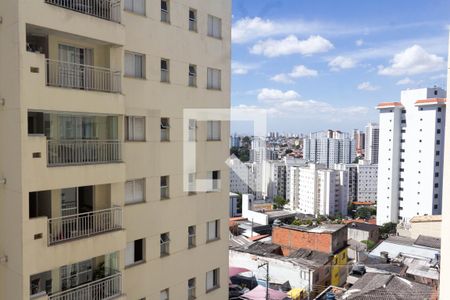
x=421, y=225
x=363, y=232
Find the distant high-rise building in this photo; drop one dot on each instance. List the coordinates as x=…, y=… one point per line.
x=235, y=141
x=328, y=151
x=372, y=137
x=359, y=137
x=362, y=181
x=411, y=152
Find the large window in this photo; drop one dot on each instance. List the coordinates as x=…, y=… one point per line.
x=135, y=6
x=213, y=130
x=135, y=191
x=164, y=244
x=214, y=27
x=134, y=65
x=213, y=230
x=214, y=79
x=135, y=252
x=212, y=280
x=135, y=128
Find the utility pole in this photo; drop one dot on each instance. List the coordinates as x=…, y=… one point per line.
x=266, y=264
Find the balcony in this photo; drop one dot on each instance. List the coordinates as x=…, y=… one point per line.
x=82, y=152
x=103, y=9
x=83, y=77
x=83, y=225
x=105, y=288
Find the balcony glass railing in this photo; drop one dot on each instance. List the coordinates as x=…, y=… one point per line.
x=83, y=77
x=84, y=225
x=105, y=288
x=80, y=152
x=103, y=9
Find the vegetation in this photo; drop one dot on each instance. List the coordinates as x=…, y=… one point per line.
x=298, y=222
x=388, y=228
x=241, y=152
x=279, y=202
x=365, y=212
x=370, y=244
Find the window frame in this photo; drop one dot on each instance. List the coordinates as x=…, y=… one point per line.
x=165, y=72
x=216, y=231
x=192, y=22
x=211, y=74
x=165, y=129
x=192, y=76
x=133, y=182
x=215, y=280
x=212, y=31
x=164, y=244
x=192, y=236
x=213, y=130
x=142, y=71
x=166, y=188
x=133, y=10
x=131, y=120
x=133, y=244
x=165, y=13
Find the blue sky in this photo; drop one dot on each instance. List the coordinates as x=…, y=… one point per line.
x=322, y=64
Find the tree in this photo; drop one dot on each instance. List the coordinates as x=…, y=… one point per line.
x=388, y=228
x=370, y=244
x=365, y=212
x=279, y=202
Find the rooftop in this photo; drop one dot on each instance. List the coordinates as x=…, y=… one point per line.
x=418, y=219
x=323, y=228
x=362, y=226
x=387, y=286
x=396, y=245
x=428, y=241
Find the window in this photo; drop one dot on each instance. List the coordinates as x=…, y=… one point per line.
x=437, y=152
x=164, y=244
x=192, y=130
x=213, y=128
x=439, y=120
x=191, y=184
x=192, y=19
x=165, y=16
x=164, y=185
x=192, y=76
x=436, y=185
x=135, y=6
x=164, y=295
x=191, y=289
x=436, y=164
x=135, y=128
x=213, y=230
x=214, y=27
x=438, y=131
x=212, y=280
x=135, y=191
x=165, y=75
x=435, y=206
x=35, y=122
x=191, y=236
x=165, y=129
x=134, y=65
x=214, y=79
x=214, y=177
x=438, y=142
x=134, y=253
x=439, y=109
x=436, y=174
x=436, y=196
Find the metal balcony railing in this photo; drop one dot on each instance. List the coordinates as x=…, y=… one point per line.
x=80, y=152
x=84, y=225
x=103, y=9
x=83, y=77
x=105, y=288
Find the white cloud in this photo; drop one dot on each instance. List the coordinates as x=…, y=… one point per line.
x=405, y=81
x=241, y=68
x=341, y=63
x=292, y=45
x=267, y=94
x=302, y=71
x=367, y=86
x=411, y=61
x=282, y=78
x=250, y=28
x=359, y=42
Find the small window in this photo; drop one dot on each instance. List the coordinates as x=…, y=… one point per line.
x=214, y=130
x=165, y=15
x=214, y=27
x=134, y=65
x=165, y=74
x=213, y=230
x=435, y=206
x=164, y=244
x=192, y=178
x=192, y=19
x=438, y=142
x=134, y=253
x=191, y=236
x=437, y=152
x=164, y=295
x=438, y=131
x=436, y=164
x=135, y=6
x=439, y=109
x=135, y=191
x=212, y=280
x=436, y=174
x=436, y=196
x=436, y=185
x=214, y=79
x=191, y=289
x=165, y=129
x=192, y=130
x=164, y=186
x=192, y=76
x=214, y=177
x=35, y=122
x=439, y=120
x=135, y=128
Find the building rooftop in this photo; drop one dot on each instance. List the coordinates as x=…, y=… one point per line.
x=362, y=226
x=323, y=228
x=418, y=219
x=279, y=214
x=373, y=286
x=428, y=241
x=396, y=245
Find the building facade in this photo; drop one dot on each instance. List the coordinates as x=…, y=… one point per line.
x=92, y=133
x=411, y=155
x=372, y=143
x=329, y=151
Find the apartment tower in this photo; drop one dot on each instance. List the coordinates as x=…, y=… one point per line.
x=410, y=163
x=372, y=143
x=93, y=197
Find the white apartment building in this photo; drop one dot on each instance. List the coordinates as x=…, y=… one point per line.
x=411, y=155
x=92, y=133
x=239, y=176
x=315, y=190
x=329, y=151
x=372, y=142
